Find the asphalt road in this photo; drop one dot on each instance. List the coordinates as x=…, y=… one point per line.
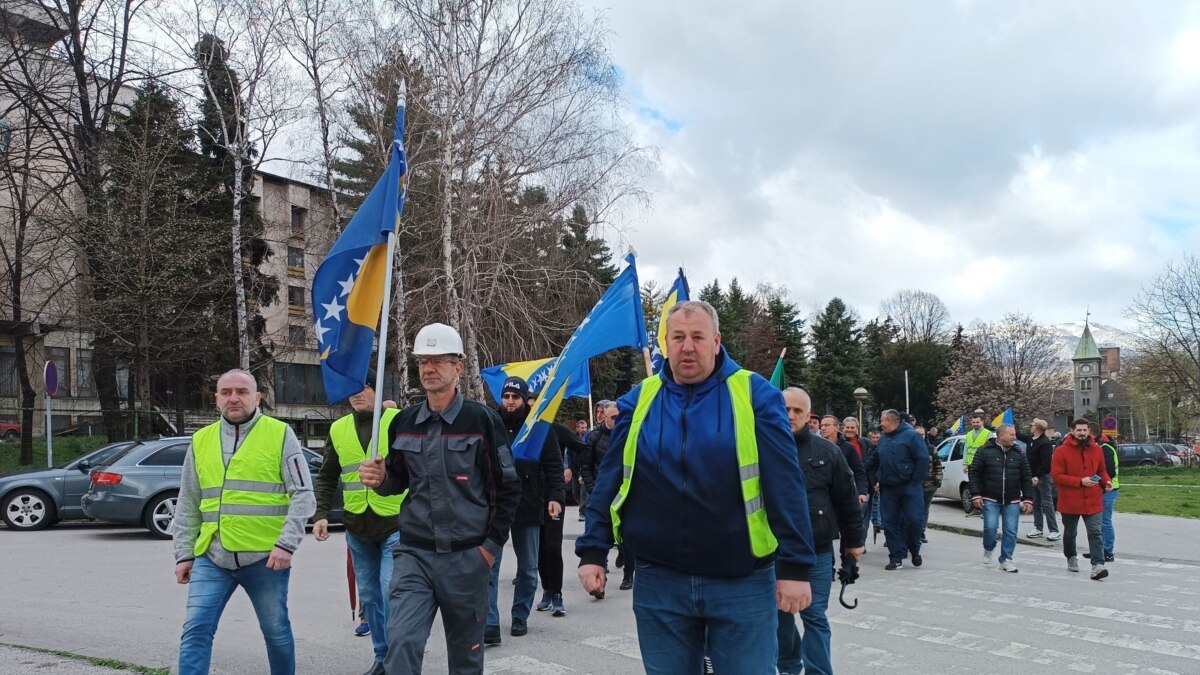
x=107, y=591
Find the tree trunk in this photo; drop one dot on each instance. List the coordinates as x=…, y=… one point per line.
x=400, y=326
x=453, y=307
x=239, y=280
x=104, y=367
x=28, y=397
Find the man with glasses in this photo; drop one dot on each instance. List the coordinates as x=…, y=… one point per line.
x=453, y=457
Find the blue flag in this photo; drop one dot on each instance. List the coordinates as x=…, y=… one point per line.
x=960, y=425
x=617, y=320
x=535, y=374
x=677, y=294
x=347, y=292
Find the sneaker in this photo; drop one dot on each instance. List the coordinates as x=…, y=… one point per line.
x=581, y=518
x=557, y=603
x=519, y=628
x=1098, y=572
x=546, y=603
x=1007, y=566
x=987, y=557
x=626, y=583
x=1109, y=557
x=1054, y=536
x=894, y=565
x=362, y=630
x=917, y=560
x=1034, y=534
x=491, y=635
x=1072, y=564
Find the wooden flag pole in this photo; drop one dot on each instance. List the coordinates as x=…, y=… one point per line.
x=649, y=361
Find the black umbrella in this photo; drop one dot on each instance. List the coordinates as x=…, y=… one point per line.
x=875, y=518
x=847, y=573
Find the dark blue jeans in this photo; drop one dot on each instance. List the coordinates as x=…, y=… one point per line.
x=993, y=514
x=903, y=509
x=208, y=592
x=1107, y=531
x=373, y=574
x=525, y=540
x=809, y=653
x=677, y=613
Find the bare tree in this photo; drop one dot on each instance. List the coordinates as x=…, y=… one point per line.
x=920, y=316
x=1012, y=362
x=1167, y=313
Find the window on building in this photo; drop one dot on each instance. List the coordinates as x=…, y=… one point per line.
x=61, y=356
x=299, y=383
x=85, y=382
x=297, y=335
x=295, y=257
x=1085, y=384
x=299, y=220
x=1087, y=402
x=296, y=298
x=10, y=384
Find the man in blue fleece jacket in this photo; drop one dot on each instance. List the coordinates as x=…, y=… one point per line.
x=713, y=564
x=900, y=464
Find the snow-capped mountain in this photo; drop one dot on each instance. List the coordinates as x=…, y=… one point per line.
x=1067, y=335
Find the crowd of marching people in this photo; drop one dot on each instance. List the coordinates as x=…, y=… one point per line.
x=730, y=503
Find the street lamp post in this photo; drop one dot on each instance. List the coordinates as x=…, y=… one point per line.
x=861, y=395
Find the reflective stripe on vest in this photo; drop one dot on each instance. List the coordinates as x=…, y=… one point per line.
x=246, y=502
x=762, y=540
x=975, y=441
x=1112, y=449
x=351, y=454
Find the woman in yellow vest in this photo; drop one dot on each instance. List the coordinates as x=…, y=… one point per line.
x=245, y=495
x=372, y=527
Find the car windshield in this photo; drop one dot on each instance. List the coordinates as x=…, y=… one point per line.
x=102, y=456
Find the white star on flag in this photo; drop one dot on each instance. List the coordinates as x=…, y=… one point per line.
x=321, y=331
x=333, y=310
x=347, y=285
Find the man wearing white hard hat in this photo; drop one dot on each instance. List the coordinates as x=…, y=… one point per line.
x=453, y=457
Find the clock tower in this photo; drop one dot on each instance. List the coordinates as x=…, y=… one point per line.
x=1087, y=374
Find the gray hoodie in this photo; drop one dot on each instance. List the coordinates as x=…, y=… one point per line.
x=296, y=478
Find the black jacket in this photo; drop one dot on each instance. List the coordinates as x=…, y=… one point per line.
x=832, y=495
x=594, y=451
x=541, y=481
x=855, y=464
x=868, y=449
x=1041, y=449
x=1001, y=476
x=570, y=444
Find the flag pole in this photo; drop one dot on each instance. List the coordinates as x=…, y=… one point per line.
x=649, y=361
x=591, y=412
x=382, y=357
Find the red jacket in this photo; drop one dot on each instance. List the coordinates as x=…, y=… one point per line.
x=1069, y=466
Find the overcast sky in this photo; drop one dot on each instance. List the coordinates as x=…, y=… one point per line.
x=1020, y=156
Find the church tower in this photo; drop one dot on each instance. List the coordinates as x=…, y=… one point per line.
x=1086, y=362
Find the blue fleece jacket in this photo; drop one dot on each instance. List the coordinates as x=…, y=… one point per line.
x=902, y=457
x=684, y=510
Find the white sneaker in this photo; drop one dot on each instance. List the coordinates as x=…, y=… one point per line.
x=987, y=557
x=1008, y=566
x=1034, y=534
x=1054, y=536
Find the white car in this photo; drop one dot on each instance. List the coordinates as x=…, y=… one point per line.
x=954, y=479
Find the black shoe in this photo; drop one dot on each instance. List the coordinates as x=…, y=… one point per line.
x=916, y=560
x=1109, y=557
x=894, y=565
x=1088, y=556
x=924, y=540
x=546, y=603
x=491, y=635
x=626, y=583
x=557, y=602
x=620, y=559
x=376, y=669
x=519, y=628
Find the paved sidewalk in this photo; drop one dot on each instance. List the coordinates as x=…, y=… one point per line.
x=1162, y=538
x=17, y=661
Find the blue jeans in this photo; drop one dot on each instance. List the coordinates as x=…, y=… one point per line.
x=809, y=653
x=209, y=591
x=678, y=614
x=993, y=512
x=1106, y=527
x=902, y=508
x=525, y=540
x=373, y=573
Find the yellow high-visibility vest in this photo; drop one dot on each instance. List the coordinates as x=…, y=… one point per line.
x=351, y=454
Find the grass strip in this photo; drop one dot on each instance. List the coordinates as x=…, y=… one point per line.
x=95, y=660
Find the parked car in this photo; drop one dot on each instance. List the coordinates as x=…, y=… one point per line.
x=140, y=486
x=34, y=499
x=1143, y=454
x=954, y=478
x=10, y=430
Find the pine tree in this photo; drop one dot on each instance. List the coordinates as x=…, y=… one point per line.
x=836, y=369
x=785, y=319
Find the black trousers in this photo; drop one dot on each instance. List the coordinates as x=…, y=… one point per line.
x=550, y=560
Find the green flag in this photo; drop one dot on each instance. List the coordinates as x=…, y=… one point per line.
x=778, y=377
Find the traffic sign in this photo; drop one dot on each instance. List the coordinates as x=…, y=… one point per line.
x=51, y=373
x=1109, y=423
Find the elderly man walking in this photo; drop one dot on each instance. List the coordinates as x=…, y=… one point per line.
x=702, y=484
x=1001, y=487
x=900, y=464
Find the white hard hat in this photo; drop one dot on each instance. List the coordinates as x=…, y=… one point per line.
x=437, y=339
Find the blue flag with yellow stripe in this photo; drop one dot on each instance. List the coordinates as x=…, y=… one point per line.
x=677, y=294
x=535, y=374
x=347, y=291
x=616, y=321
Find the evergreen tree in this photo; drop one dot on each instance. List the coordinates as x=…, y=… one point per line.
x=784, y=318
x=736, y=315
x=713, y=295
x=837, y=368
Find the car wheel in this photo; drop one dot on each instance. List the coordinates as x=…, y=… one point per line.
x=160, y=513
x=28, y=509
x=10, y=435
x=964, y=493
x=1146, y=462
